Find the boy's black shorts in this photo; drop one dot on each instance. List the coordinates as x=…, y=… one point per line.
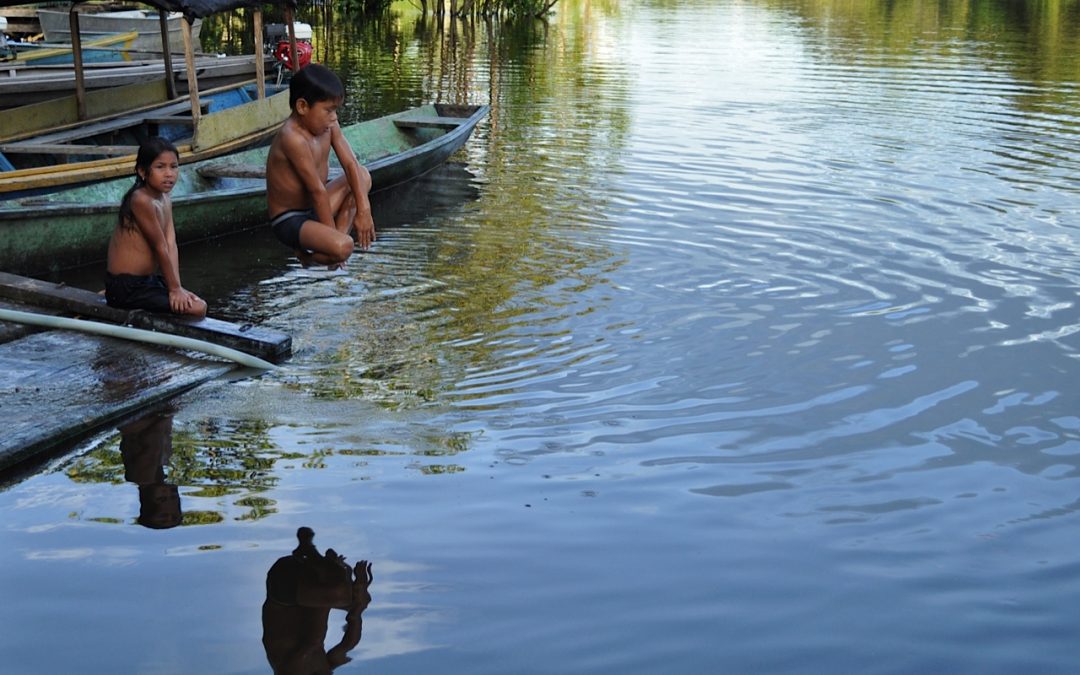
x=287, y=224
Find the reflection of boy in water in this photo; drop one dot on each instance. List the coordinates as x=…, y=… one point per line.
x=301, y=589
x=146, y=447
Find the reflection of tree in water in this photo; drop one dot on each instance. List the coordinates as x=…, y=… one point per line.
x=217, y=460
x=547, y=166
x=1040, y=39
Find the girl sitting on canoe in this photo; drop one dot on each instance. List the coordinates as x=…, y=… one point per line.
x=144, y=267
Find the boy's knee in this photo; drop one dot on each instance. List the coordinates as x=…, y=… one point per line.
x=343, y=249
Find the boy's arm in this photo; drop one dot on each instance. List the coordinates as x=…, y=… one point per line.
x=302, y=159
x=359, y=184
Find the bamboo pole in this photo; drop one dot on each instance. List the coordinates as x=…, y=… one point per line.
x=192, y=79
x=166, y=55
x=76, y=54
x=260, y=65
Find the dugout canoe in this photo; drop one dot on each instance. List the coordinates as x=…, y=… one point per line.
x=69, y=152
x=76, y=157
x=71, y=227
x=103, y=49
x=56, y=25
x=27, y=83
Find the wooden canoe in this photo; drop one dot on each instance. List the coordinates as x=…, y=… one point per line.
x=23, y=84
x=71, y=227
x=73, y=152
x=57, y=27
x=102, y=49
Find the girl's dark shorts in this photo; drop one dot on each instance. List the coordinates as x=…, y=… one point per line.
x=130, y=291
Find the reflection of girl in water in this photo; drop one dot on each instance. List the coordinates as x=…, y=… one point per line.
x=146, y=447
x=301, y=589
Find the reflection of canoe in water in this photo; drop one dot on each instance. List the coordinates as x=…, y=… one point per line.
x=58, y=151
x=71, y=227
x=57, y=27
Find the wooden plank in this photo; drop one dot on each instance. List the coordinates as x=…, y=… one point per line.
x=266, y=343
x=247, y=118
x=37, y=118
x=105, y=126
x=60, y=385
x=61, y=149
x=429, y=122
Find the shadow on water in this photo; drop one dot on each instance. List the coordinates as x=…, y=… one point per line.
x=301, y=589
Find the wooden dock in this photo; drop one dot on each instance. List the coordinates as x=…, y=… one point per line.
x=58, y=385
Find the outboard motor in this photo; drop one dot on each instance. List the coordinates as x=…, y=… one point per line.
x=278, y=35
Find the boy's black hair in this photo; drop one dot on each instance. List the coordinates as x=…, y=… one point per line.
x=148, y=152
x=315, y=83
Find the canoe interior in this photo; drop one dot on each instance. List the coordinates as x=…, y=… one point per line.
x=103, y=49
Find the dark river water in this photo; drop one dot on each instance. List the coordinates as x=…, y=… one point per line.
x=742, y=337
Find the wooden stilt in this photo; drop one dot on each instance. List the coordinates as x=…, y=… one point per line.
x=166, y=56
x=294, y=58
x=192, y=79
x=260, y=66
x=76, y=53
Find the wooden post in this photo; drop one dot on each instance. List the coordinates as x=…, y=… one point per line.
x=260, y=64
x=192, y=79
x=293, y=56
x=76, y=53
x=166, y=55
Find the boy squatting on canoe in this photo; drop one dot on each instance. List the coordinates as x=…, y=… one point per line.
x=143, y=270
x=320, y=220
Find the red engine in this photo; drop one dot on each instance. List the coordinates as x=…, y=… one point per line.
x=303, y=53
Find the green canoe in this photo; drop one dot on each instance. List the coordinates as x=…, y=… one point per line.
x=71, y=227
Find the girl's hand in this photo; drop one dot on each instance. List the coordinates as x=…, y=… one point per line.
x=179, y=300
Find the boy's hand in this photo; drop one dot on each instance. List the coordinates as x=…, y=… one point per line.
x=363, y=229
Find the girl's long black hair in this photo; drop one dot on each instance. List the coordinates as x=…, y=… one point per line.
x=148, y=152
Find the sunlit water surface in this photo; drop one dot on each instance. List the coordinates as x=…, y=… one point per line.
x=741, y=338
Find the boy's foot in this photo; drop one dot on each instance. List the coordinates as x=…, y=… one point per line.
x=306, y=259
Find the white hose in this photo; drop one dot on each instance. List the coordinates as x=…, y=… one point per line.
x=136, y=334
